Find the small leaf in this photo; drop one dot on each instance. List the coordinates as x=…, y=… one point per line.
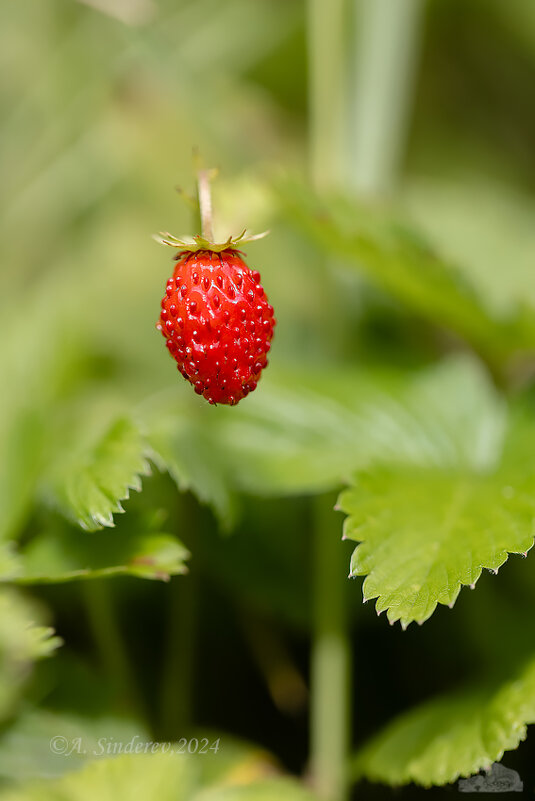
x=22, y=642
x=451, y=736
x=92, y=483
x=60, y=553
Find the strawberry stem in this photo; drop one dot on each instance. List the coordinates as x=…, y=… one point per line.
x=205, y=203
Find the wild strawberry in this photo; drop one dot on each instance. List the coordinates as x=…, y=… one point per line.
x=217, y=323
x=215, y=316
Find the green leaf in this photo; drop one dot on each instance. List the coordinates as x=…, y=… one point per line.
x=22, y=442
x=500, y=234
x=33, y=381
x=25, y=746
x=267, y=790
x=22, y=642
x=308, y=432
x=9, y=561
x=400, y=262
x=167, y=776
x=180, y=443
x=299, y=433
x=451, y=736
x=136, y=548
x=424, y=533
x=431, y=519
x=100, y=474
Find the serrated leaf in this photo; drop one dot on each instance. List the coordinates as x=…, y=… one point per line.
x=398, y=260
x=455, y=735
x=429, y=520
x=92, y=483
x=22, y=642
x=61, y=553
x=425, y=533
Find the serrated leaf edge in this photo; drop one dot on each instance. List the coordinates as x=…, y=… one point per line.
x=381, y=607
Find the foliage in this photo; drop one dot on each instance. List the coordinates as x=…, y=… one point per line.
x=426, y=533
x=401, y=381
x=23, y=642
x=168, y=775
x=92, y=485
x=402, y=263
x=451, y=736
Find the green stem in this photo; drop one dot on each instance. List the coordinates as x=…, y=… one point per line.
x=330, y=654
x=386, y=55
x=331, y=657
x=327, y=88
x=178, y=669
x=109, y=642
x=205, y=203
x=178, y=674
x=357, y=144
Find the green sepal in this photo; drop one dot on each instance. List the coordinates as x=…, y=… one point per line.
x=192, y=244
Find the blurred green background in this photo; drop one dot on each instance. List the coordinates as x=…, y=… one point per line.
x=101, y=105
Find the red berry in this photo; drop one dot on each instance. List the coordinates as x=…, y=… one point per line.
x=218, y=324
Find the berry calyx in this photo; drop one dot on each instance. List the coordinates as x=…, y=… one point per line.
x=216, y=318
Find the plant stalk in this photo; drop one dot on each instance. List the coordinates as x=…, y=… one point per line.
x=330, y=652
x=327, y=90
x=357, y=139
x=331, y=657
x=110, y=644
x=178, y=675
x=387, y=34
x=177, y=692
x=205, y=203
